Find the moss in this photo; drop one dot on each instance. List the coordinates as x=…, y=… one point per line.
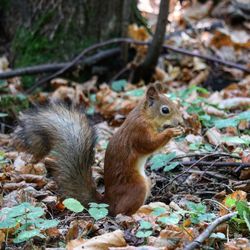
x=32, y=47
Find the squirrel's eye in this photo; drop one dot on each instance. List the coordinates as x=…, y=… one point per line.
x=165, y=110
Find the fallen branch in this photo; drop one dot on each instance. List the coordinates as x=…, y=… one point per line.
x=216, y=164
x=212, y=155
x=203, y=236
x=128, y=40
x=49, y=68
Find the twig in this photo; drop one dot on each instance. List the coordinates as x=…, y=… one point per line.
x=205, y=234
x=122, y=71
x=47, y=68
x=218, y=203
x=217, y=164
x=207, y=155
x=185, y=171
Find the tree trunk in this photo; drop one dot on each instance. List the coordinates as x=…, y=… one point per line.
x=42, y=31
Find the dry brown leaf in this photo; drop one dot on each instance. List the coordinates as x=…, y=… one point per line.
x=193, y=124
x=58, y=82
x=237, y=195
x=14, y=186
x=63, y=94
x=214, y=136
x=245, y=174
x=210, y=110
x=136, y=248
x=140, y=34
x=53, y=232
x=4, y=64
x=227, y=38
x=174, y=237
x=200, y=78
x=149, y=208
x=198, y=11
x=39, y=168
x=238, y=244
x=20, y=166
x=39, y=180
x=235, y=103
x=2, y=237
x=160, y=75
x=102, y=242
x=111, y=103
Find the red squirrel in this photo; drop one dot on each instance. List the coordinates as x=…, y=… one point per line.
x=66, y=136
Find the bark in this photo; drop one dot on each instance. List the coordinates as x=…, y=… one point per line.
x=42, y=31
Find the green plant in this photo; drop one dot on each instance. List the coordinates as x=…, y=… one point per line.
x=26, y=220
x=201, y=147
x=96, y=211
x=11, y=104
x=172, y=219
x=163, y=160
x=198, y=212
x=144, y=230
x=243, y=210
x=2, y=158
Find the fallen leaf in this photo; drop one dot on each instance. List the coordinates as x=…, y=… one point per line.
x=235, y=103
x=102, y=242
x=214, y=136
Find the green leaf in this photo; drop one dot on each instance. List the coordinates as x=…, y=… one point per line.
x=90, y=110
x=206, y=217
x=246, y=216
x=194, y=146
x=98, y=213
x=171, y=166
x=73, y=205
x=208, y=147
x=234, y=139
x=26, y=235
x=243, y=116
x=3, y=115
x=36, y=212
x=196, y=207
x=172, y=219
x=230, y=202
x=219, y=236
x=93, y=204
x=143, y=234
x=159, y=211
x=92, y=98
x=98, y=205
x=160, y=160
x=45, y=224
x=224, y=123
x=20, y=210
x=242, y=206
x=119, y=85
x=145, y=225
x=135, y=92
x=102, y=205
x=8, y=223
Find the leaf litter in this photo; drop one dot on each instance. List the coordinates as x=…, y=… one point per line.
x=186, y=196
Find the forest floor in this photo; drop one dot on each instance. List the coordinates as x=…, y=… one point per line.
x=200, y=180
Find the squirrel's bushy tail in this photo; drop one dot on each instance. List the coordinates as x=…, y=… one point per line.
x=64, y=134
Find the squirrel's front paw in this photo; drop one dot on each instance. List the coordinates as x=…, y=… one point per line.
x=172, y=132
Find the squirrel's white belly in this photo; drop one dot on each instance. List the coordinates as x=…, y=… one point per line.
x=141, y=169
x=141, y=165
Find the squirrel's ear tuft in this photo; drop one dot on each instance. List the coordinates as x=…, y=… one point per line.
x=159, y=87
x=152, y=93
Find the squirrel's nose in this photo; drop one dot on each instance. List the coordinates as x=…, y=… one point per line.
x=179, y=122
